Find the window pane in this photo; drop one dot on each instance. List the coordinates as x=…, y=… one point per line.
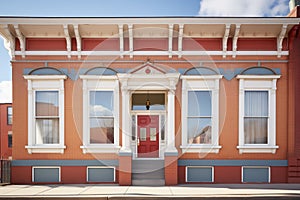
x=101, y=103
x=9, y=120
x=9, y=140
x=199, y=130
x=162, y=127
x=46, y=103
x=143, y=134
x=9, y=110
x=256, y=103
x=157, y=101
x=9, y=115
x=47, y=131
x=199, y=103
x=152, y=134
x=256, y=130
x=101, y=130
x=133, y=127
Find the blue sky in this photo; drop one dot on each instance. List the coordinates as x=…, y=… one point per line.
x=105, y=8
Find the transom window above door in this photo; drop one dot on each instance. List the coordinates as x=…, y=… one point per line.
x=148, y=101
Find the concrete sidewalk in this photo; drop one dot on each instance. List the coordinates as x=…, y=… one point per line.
x=205, y=191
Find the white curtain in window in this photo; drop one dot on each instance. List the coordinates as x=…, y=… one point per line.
x=256, y=117
x=47, y=131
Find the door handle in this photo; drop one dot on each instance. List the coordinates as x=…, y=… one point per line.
x=138, y=141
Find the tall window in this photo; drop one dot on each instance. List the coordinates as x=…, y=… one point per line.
x=256, y=117
x=100, y=114
x=47, y=117
x=200, y=113
x=199, y=117
x=101, y=117
x=257, y=113
x=9, y=115
x=45, y=113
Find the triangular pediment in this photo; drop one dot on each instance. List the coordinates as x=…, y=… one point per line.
x=147, y=69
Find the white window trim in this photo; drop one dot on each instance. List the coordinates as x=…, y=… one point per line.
x=258, y=83
x=262, y=167
x=45, y=83
x=46, y=167
x=200, y=83
x=99, y=167
x=108, y=83
x=212, y=173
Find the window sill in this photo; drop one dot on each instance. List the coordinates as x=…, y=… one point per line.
x=100, y=149
x=257, y=149
x=200, y=149
x=45, y=149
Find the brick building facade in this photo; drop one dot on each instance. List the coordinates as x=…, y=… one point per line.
x=154, y=100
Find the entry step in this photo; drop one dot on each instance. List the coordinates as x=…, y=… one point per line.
x=148, y=172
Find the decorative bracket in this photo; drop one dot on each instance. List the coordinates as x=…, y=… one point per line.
x=130, y=32
x=225, y=39
x=180, y=36
x=280, y=38
x=9, y=42
x=68, y=40
x=121, y=37
x=78, y=40
x=22, y=40
x=235, y=39
x=170, y=39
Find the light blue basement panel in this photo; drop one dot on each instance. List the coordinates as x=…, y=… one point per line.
x=199, y=174
x=46, y=175
x=256, y=175
x=103, y=174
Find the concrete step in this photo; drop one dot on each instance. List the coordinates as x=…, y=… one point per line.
x=142, y=166
x=148, y=172
x=149, y=182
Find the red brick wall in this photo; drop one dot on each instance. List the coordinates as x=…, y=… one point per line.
x=171, y=170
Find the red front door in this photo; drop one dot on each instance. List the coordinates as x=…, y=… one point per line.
x=148, y=136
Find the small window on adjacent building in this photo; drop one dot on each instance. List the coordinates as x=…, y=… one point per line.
x=9, y=115
x=9, y=139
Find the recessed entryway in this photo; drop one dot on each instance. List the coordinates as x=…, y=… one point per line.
x=148, y=113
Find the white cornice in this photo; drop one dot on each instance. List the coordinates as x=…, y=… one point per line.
x=162, y=20
x=154, y=53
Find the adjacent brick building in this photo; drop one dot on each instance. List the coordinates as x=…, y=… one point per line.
x=6, y=131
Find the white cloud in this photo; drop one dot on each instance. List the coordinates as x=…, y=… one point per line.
x=245, y=8
x=5, y=92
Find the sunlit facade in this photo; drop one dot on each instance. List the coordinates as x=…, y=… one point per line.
x=154, y=101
